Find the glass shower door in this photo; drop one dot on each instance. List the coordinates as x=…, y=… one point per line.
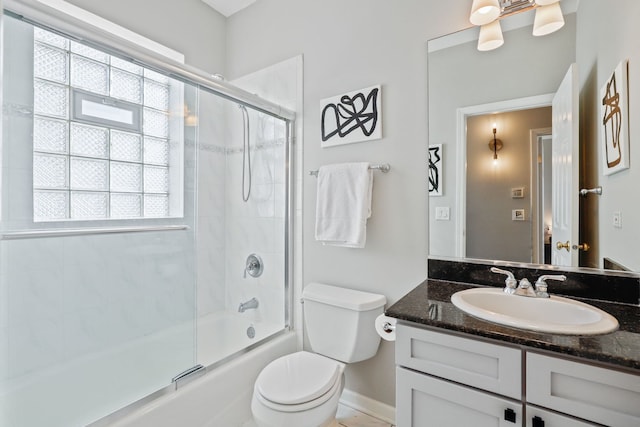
x=97, y=249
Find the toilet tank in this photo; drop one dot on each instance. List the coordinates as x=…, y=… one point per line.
x=340, y=322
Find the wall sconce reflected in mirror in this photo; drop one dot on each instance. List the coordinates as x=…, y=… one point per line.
x=495, y=145
x=190, y=119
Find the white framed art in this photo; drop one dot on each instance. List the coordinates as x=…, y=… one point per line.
x=435, y=169
x=614, y=121
x=351, y=117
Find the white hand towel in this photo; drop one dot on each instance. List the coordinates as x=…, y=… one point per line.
x=343, y=204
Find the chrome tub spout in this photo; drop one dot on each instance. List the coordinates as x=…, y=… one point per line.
x=251, y=304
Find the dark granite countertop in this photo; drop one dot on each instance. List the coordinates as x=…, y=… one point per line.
x=430, y=304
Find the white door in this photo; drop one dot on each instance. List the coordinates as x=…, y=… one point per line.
x=564, y=166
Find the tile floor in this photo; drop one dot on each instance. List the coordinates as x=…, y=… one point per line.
x=348, y=417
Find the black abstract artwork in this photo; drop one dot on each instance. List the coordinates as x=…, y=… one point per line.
x=352, y=116
x=435, y=170
x=614, y=113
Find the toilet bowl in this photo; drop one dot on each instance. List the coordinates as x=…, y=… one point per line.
x=303, y=389
x=299, y=389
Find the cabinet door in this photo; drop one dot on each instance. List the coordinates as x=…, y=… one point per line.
x=490, y=367
x=536, y=417
x=425, y=401
x=596, y=394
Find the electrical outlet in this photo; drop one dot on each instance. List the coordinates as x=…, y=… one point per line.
x=617, y=219
x=517, y=215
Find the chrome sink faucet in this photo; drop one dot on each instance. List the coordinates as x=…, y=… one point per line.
x=541, y=284
x=524, y=288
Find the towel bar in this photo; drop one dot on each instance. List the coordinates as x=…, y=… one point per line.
x=383, y=167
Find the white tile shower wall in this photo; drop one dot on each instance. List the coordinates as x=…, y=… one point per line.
x=253, y=226
x=211, y=226
x=280, y=83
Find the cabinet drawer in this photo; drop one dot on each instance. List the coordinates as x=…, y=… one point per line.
x=536, y=417
x=424, y=401
x=490, y=367
x=589, y=392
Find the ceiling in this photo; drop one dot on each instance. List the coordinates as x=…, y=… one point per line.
x=228, y=7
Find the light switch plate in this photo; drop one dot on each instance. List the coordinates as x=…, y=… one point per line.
x=517, y=193
x=617, y=219
x=442, y=213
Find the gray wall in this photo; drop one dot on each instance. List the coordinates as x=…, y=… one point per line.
x=605, y=36
x=461, y=76
x=187, y=26
x=491, y=232
x=348, y=45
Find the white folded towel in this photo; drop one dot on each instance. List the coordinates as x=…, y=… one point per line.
x=343, y=204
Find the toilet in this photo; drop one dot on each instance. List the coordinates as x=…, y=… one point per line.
x=303, y=389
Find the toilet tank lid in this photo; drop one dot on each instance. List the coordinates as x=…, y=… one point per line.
x=343, y=297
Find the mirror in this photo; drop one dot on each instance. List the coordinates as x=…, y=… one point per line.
x=473, y=92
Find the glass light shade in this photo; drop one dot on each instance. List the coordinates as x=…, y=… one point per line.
x=490, y=36
x=548, y=19
x=546, y=2
x=484, y=11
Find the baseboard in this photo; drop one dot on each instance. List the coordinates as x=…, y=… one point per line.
x=369, y=406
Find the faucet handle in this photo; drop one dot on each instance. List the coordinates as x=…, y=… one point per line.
x=542, y=279
x=510, y=282
x=541, y=284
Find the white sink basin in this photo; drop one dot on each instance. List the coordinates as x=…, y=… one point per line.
x=554, y=315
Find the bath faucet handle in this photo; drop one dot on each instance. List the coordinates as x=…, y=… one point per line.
x=510, y=282
x=253, y=266
x=541, y=284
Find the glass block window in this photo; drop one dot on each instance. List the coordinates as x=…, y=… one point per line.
x=100, y=134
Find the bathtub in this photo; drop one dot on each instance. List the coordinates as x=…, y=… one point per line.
x=222, y=396
x=220, y=335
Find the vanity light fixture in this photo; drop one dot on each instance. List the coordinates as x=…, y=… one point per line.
x=495, y=145
x=488, y=13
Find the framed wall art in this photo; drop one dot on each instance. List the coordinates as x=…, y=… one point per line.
x=614, y=121
x=352, y=117
x=435, y=170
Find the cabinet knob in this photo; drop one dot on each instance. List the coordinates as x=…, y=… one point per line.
x=537, y=422
x=510, y=415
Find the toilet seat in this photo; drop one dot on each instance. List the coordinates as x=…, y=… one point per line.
x=298, y=382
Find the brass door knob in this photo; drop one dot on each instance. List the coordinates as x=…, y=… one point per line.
x=565, y=245
x=582, y=247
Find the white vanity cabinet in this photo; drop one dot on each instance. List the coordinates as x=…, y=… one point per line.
x=594, y=393
x=446, y=380
x=423, y=400
x=434, y=400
